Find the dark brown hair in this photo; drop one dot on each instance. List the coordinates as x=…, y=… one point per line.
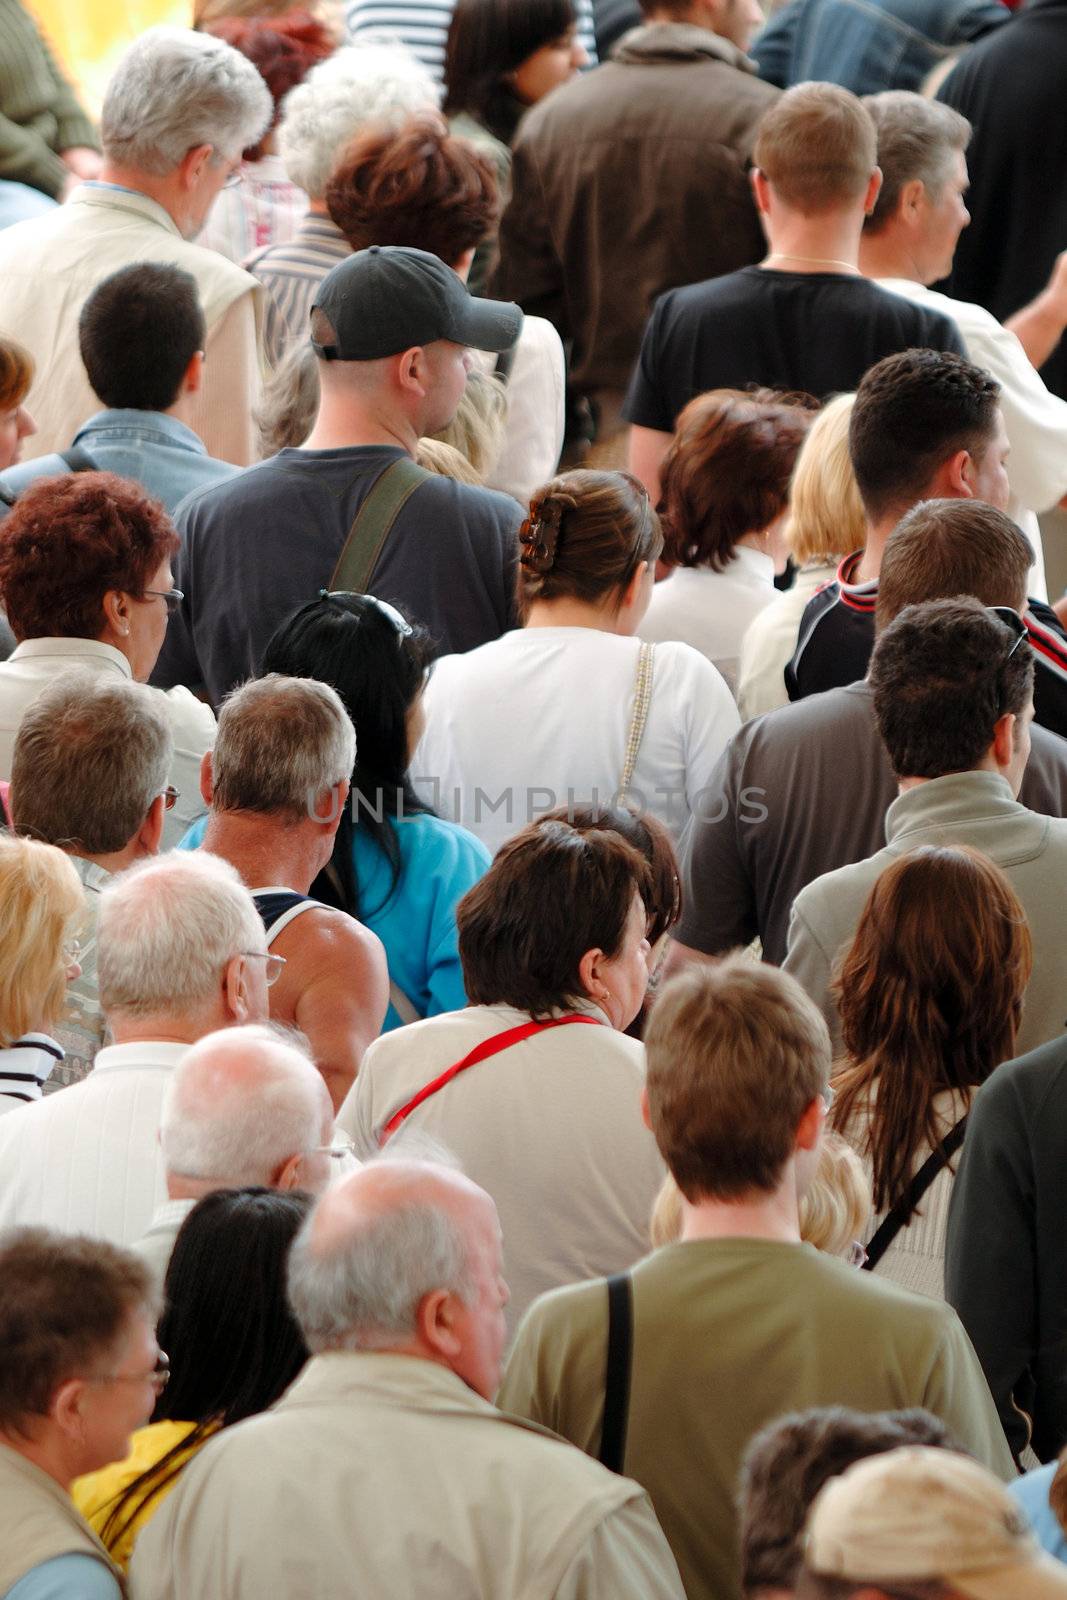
x=787, y=1463
x=651, y=839
x=64, y=1300
x=487, y=39
x=585, y=537
x=736, y=1053
x=943, y=548
x=418, y=186
x=930, y=994
x=551, y=894
x=16, y=374
x=816, y=146
x=70, y=539
x=727, y=473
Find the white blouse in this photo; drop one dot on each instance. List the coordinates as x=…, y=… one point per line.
x=712, y=610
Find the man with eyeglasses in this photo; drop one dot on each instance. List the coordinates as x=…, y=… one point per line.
x=80, y=1371
x=952, y=685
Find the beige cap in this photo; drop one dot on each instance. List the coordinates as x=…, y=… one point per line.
x=918, y=1514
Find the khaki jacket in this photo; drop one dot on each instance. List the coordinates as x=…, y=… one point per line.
x=629, y=181
x=38, y=1522
x=381, y=1474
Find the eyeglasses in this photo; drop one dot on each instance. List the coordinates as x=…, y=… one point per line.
x=857, y=1254
x=172, y=598
x=233, y=177
x=72, y=952
x=1012, y=620
x=158, y=1377
x=401, y=626
x=340, y=1150
x=827, y=1096
x=170, y=797
x=274, y=965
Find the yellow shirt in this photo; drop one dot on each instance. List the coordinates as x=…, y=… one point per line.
x=95, y=1493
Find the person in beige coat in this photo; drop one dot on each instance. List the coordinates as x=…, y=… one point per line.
x=385, y=1469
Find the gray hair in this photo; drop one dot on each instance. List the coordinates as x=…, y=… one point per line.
x=363, y=1291
x=289, y=402
x=363, y=84
x=239, y=1105
x=167, y=928
x=282, y=743
x=90, y=757
x=917, y=138
x=174, y=90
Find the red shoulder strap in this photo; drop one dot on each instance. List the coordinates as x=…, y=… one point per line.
x=481, y=1052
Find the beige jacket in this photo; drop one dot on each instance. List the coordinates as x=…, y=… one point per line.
x=380, y=1474
x=50, y=265
x=38, y=1522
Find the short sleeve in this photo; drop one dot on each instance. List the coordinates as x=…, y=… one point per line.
x=647, y=402
x=719, y=900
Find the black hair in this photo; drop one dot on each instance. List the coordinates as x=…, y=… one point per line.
x=349, y=642
x=488, y=39
x=233, y=1342
x=138, y=332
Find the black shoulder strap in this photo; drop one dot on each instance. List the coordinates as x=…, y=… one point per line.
x=504, y=363
x=617, y=1375
x=900, y=1215
x=374, y=523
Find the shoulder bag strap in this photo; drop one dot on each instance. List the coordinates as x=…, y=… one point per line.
x=899, y=1217
x=481, y=1052
x=642, y=701
x=404, y=1008
x=505, y=361
x=374, y=523
x=617, y=1374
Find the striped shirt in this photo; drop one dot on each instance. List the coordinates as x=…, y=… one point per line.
x=423, y=26
x=291, y=274
x=24, y=1068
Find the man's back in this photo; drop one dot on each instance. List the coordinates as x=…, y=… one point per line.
x=257, y=548
x=379, y=1473
x=627, y=181
x=727, y=1335
x=816, y=332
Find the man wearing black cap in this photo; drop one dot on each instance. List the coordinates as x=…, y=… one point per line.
x=350, y=509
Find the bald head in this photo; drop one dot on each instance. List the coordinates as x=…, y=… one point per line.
x=246, y=1106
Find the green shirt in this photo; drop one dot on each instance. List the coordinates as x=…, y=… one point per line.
x=728, y=1335
x=39, y=112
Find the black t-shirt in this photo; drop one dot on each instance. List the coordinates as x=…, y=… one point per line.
x=258, y=546
x=816, y=332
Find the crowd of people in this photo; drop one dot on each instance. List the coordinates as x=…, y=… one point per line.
x=533, y=767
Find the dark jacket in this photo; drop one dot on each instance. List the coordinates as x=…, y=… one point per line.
x=1006, y=1251
x=628, y=181
x=1011, y=87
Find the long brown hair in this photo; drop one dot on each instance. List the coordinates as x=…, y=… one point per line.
x=930, y=994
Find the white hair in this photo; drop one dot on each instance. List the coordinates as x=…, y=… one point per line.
x=174, y=90
x=362, y=1292
x=240, y=1104
x=357, y=86
x=167, y=928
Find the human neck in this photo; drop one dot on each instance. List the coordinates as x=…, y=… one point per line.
x=182, y=1188
x=567, y=613
x=46, y=1453
x=349, y=420
x=770, y=1214
x=265, y=852
x=885, y=255
x=167, y=1027
x=987, y=764
x=116, y=860
x=870, y=562
x=829, y=242
x=159, y=188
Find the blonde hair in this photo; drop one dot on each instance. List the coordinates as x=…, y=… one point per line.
x=826, y=517
x=41, y=908
x=446, y=461
x=833, y=1212
x=477, y=429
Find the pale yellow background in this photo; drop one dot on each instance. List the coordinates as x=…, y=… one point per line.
x=90, y=35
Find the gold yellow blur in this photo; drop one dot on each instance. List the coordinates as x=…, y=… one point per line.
x=89, y=35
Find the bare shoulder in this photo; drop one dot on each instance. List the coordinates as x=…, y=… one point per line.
x=328, y=937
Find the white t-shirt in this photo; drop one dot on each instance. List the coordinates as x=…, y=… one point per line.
x=540, y=718
x=533, y=431
x=712, y=610
x=770, y=640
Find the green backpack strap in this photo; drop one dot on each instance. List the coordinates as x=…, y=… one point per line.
x=374, y=523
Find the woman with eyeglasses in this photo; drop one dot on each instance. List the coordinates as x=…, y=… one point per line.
x=41, y=913
x=930, y=993
x=85, y=579
x=232, y=1348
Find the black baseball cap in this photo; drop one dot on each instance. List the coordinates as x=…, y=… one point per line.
x=387, y=298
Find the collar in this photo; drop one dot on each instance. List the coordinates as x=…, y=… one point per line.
x=115, y=197
x=406, y=1381
x=860, y=597
x=147, y=1055
x=172, y=1213
x=25, y=1066
x=145, y=425
x=948, y=801
x=92, y=875
x=678, y=41
x=51, y=648
x=316, y=229
x=757, y=563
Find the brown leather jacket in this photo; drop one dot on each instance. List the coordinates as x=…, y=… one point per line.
x=628, y=181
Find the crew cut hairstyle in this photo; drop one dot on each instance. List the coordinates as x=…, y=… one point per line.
x=787, y=1463
x=419, y=186
x=930, y=994
x=282, y=744
x=138, y=332
x=551, y=894
x=727, y=472
x=917, y=138
x=913, y=411
x=736, y=1053
x=487, y=39
x=817, y=147
x=941, y=676
x=944, y=548
x=586, y=535
x=64, y=1300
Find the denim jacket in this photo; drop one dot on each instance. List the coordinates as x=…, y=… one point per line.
x=160, y=453
x=869, y=45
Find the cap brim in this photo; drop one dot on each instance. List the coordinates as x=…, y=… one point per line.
x=490, y=325
x=1040, y=1578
